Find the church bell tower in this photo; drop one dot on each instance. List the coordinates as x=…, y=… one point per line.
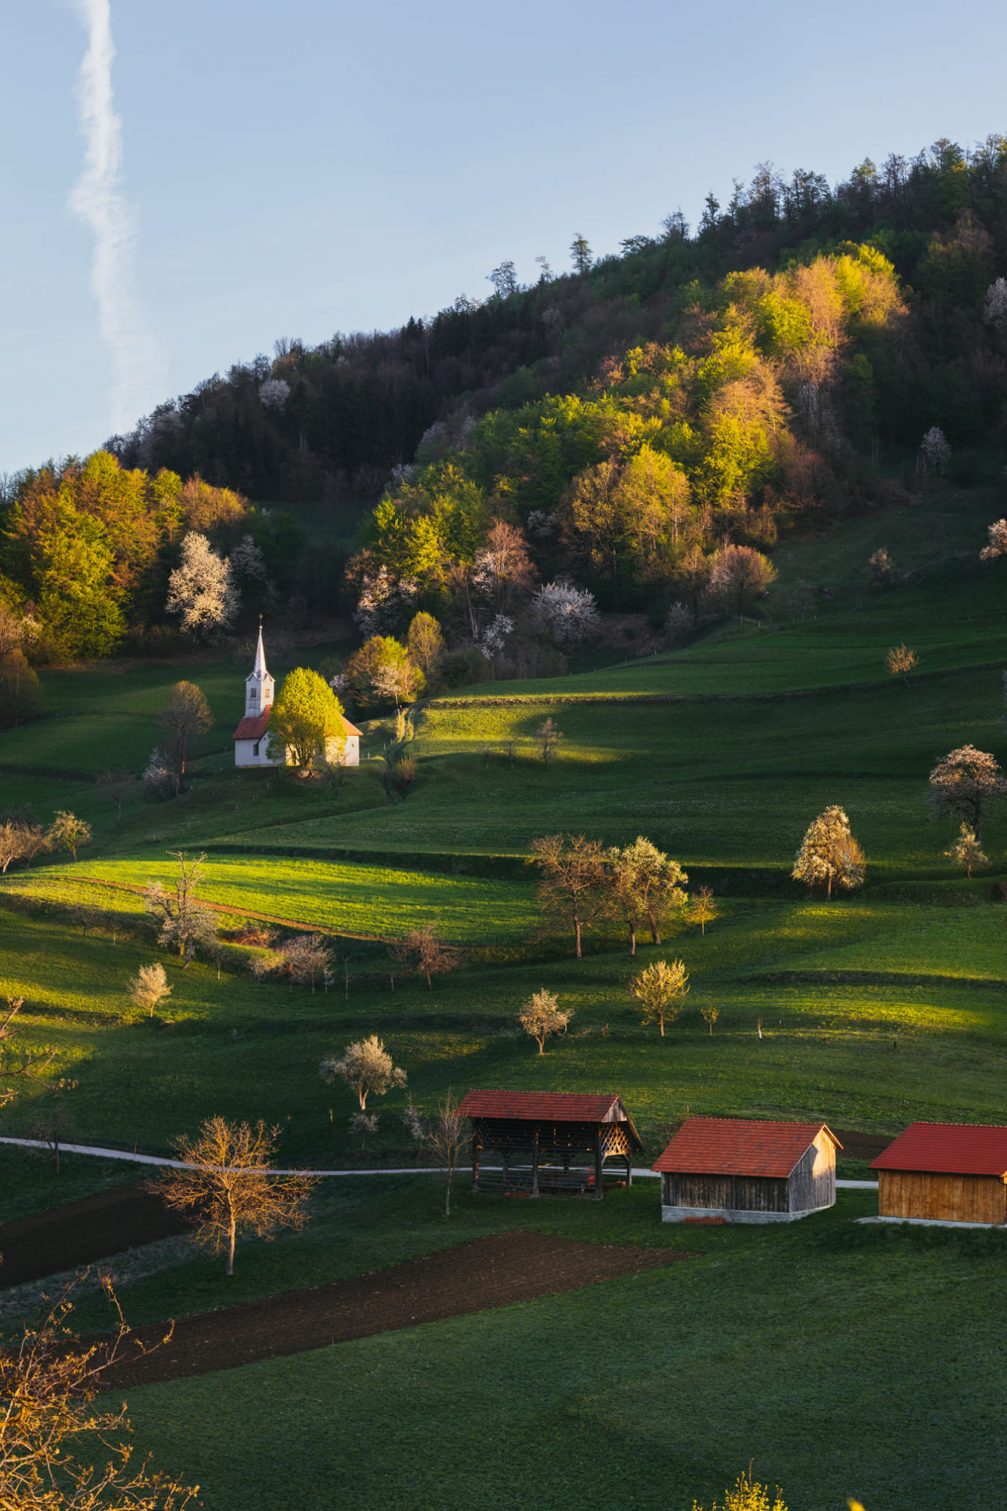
x=258, y=686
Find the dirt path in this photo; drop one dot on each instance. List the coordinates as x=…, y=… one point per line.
x=471, y=1277
x=79, y=1232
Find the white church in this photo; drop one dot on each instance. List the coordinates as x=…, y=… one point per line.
x=251, y=738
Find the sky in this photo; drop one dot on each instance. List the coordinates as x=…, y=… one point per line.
x=299, y=168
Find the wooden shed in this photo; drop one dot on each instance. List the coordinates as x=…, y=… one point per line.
x=944, y=1172
x=742, y=1170
x=537, y=1143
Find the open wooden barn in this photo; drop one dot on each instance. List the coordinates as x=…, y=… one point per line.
x=539, y=1143
x=944, y=1172
x=743, y=1170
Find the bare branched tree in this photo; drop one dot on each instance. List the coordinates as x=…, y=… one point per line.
x=424, y=954
x=571, y=880
x=60, y=1448
x=444, y=1135
x=17, y=1063
x=229, y=1190
x=186, y=925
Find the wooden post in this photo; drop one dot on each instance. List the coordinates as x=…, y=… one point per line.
x=629, y=1169
x=599, y=1160
x=476, y=1143
x=534, y=1163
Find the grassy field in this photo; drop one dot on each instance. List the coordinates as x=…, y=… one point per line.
x=810, y=1350
x=781, y=1346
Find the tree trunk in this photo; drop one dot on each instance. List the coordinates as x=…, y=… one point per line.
x=447, y=1191
x=655, y=932
x=231, y=1240
x=632, y=936
x=828, y=892
x=541, y=1046
x=661, y=1026
x=577, y=930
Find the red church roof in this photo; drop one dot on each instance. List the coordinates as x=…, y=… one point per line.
x=947, y=1149
x=545, y=1106
x=739, y=1146
x=254, y=726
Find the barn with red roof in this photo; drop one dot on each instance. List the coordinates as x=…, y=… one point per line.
x=944, y=1172
x=537, y=1143
x=747, y=1170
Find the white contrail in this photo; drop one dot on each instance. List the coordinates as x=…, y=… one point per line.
x=137, y=365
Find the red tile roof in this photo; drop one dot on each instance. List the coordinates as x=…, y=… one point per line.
x=947, y=1149
x=254, y=726
x=739, y=1146
x=544, y=1106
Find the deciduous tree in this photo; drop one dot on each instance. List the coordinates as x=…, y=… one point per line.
x=748, y=1495
x=967, y=852
x=900, y=661
x=425, y=642
x=186, y=924
x=997, y=543
x=61, y=1449
x=702, y=908
x=444, y=1135
x=541, y=1017
x=308, y=961
x=829, y=855
x=149, y=987
x=367, y=1068
x=307, y=719
x=423, y=953
x=382, y=671
x=739, y=575
x=644, y=883
x=571, y=879
x=184, y=717
x=548, y=738
x=964, y=783
x=661, y=989
x=201, y=589
x=68, y=832
x=19, y=840
x=229, y=1191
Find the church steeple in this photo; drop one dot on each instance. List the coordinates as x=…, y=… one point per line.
x=259, y=686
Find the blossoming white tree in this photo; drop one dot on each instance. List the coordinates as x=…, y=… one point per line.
x=935, y=453
x=995, y=303
x=569, y=613
x=367, y=1068
x=201, y=590
x=997, y=545
x=274, y=393
x=829, y=855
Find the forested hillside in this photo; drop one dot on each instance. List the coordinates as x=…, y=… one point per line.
x=631, y=437
x=336, y=417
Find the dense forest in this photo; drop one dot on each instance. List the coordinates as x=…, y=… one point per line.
x=638, y=431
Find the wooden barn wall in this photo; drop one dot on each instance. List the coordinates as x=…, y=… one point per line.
x=733, y=1193
x=946, y=1198
x=813, y=1181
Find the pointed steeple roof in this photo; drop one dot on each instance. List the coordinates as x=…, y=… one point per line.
x=259, y=669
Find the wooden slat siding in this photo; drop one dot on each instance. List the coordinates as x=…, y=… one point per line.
x=942, y=1198
x=813, y=1181
x=732, y=1193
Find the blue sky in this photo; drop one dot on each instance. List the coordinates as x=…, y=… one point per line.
x=304, y=167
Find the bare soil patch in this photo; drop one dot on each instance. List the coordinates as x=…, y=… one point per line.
x=863, y=1145
x=471, y=1277
x=79, y=1232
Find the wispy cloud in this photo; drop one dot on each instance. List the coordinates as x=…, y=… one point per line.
x=98, y=197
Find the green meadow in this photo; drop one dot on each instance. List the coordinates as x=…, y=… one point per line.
x=810, y=1350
